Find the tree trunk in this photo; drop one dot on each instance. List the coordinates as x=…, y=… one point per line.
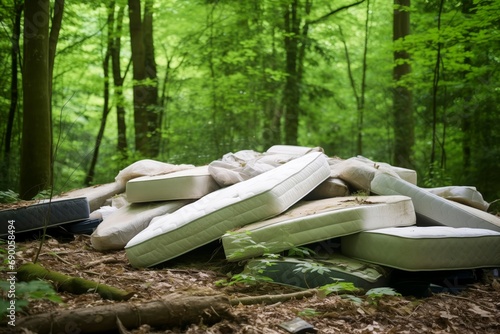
x=14, y=90
x=152, y=86
x=36, y=152
x=118, y=85
x=402, y=97
x=291, y=94
x=145, y=93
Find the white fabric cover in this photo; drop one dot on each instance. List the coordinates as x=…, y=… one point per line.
x=432, y=209
x=292, y=150
x=123, y=224
x=243, y=165
x=462, y=194
x=192, y=183
x=208, y=218
x=308, y=222
x=96, y=195
x=420, y=248
x=147, y=167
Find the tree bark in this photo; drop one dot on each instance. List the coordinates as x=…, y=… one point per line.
x=36, y=152
x=404, y=137
x=118, y=80
x=145, y=91
x=173, y=311
x=291, y=94
x=14, y=89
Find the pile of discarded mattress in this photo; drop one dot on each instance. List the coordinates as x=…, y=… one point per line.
x=279, y=200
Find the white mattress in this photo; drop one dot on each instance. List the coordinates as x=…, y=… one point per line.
x=123, y=224
x=314, y=221
x=432, y=209
x=208, y=218
x=419, y=248
x=96, y=195
x=186, y=184
x=462, y=194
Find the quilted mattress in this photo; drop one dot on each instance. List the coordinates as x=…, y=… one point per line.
x=314, y=221
x=208, y=218
x=53, y=213
x=123, y=224
x=96, y=195
x=432, y=209
x=301, y=273
x=420, y=248
x=186, y=184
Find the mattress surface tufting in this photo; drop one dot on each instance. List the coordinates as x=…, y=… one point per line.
x=308, y=222
x=208, y=218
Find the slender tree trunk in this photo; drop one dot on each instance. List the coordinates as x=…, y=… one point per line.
x=36, y=152
x=105, y=109
x=402, y=97
x=152, y=86
x=467, y=5
x=54, y=37
x=291, y=94
x=145, y=93
x=14, y=90
x=118, y=80
x=435, y=88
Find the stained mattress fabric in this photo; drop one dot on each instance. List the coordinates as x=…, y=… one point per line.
x=420, y=248
x=432, y=209
x=462, y=194
x=312, y=273
x=49, y=213
x=123, y=224
x=192, y=183
x=313, y=221
x=208, y=218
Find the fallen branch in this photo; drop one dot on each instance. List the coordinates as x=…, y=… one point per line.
x=175, y=310
x=30, y=271
x=273, y=299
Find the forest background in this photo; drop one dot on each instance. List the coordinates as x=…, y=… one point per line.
x=89, y=87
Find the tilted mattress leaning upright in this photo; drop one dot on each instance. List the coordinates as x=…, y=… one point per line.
x=208, y=218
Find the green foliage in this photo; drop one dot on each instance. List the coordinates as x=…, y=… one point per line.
x=338, y=287
x=376, y=293
x=252, y=276
x=222, y=69
x=301, y=252
x=311, y=267
x=308, y=312
x=24, y=293
x=9, y=196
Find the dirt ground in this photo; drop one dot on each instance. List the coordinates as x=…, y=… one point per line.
x=476, y=309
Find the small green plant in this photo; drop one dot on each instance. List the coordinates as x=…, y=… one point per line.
x=308, y=312
x=311, y=267
x=23, y=293
x=253, y=275
x=301, y=252
x=9, y=196
x=361, y=196
x=338, y=287
x=376, y=293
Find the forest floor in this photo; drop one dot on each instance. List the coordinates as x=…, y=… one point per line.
x=476, y=309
